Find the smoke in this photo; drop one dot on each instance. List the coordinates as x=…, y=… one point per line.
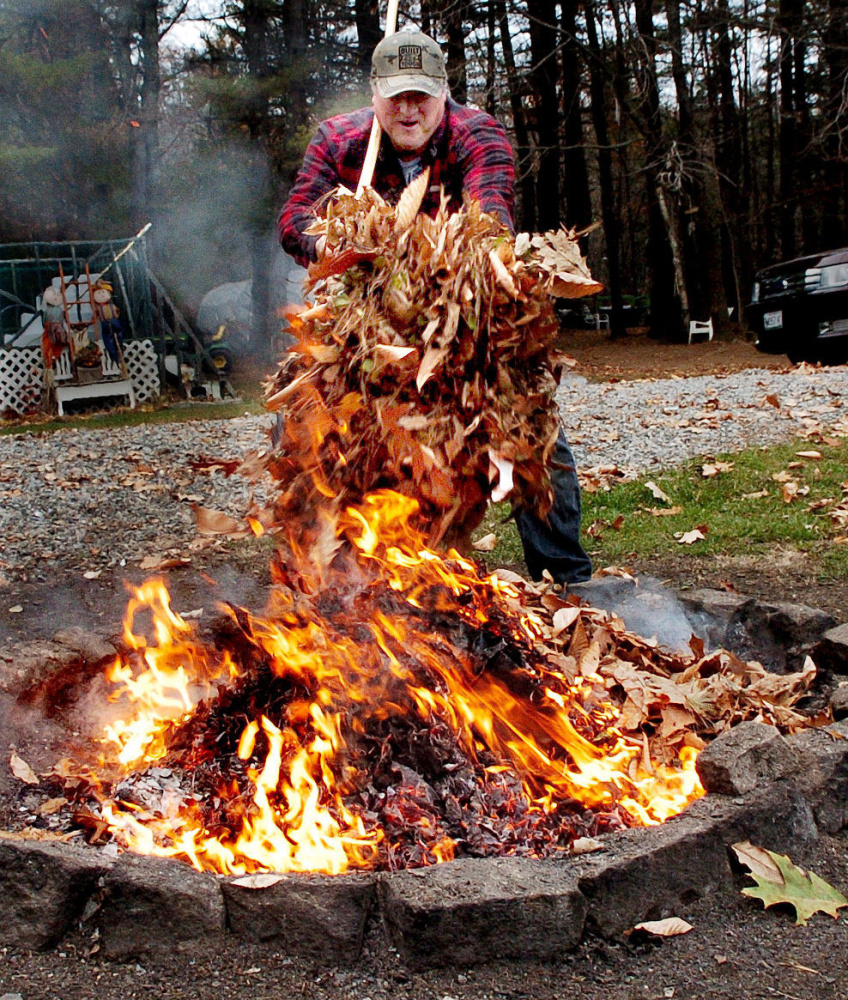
x=647, y=608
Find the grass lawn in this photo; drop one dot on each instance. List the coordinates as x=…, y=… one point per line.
x=742, y=504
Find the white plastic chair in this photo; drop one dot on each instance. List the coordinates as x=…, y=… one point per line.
x=700, y=328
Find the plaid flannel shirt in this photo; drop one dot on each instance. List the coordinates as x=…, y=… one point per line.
x=469, y=154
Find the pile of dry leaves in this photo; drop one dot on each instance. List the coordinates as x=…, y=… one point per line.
x=425, y=364
x=437, y=703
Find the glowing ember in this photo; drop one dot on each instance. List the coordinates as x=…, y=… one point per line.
x=411, y=711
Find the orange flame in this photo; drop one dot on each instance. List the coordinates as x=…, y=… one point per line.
x=290, y=810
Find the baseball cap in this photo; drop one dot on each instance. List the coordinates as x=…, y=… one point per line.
x=408, y=60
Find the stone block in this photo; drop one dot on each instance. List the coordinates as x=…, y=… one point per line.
x=24, y=665
x=746, y=757
x=651, y=872
x=158, y=905
x=779, y=635
x=823, y=775
x=89, y=646
x=777, y=817
x=796, y=625
x=481, y=910
x=723, y=609
x=44, y=888
x=831, y=652
x=313, y=916
x=839, y=701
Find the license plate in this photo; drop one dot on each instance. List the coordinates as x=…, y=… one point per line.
x=773, y=320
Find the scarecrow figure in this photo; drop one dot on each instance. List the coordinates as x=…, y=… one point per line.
x=56, y=336
x=106, y=315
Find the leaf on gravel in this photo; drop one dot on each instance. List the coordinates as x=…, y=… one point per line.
x=16, y=609
x=92, y=574
x=669, y=927
x=22, y=771
x=657, y=493
x=259, y=880
x=487, y=543
x=163, y=562
x=803, y=890
x=689, y=537
x=51, y=806
x=216, y=522
x=772, y=400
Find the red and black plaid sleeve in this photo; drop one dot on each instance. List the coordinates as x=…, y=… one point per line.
x=484, y=159
x=334, y=156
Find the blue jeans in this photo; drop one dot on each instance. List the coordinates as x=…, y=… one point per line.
x=554, y=544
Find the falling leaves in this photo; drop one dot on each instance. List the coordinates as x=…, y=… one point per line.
x=425, y=364
x=778, y=880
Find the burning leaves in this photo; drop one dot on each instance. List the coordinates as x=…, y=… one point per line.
x=412, y=712
x=425, y=365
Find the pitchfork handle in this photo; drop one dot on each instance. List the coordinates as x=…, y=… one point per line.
x=374, y=139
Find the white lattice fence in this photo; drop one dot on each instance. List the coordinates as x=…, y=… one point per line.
x=22, y=375
x=142, y=368
x=21, y=371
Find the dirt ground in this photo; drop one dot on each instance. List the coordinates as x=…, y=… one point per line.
x=735, y=950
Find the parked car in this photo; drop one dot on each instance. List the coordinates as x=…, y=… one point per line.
x=800, y=308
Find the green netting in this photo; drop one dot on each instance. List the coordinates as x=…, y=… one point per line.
x=26, y=269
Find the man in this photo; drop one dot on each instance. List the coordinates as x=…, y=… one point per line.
x=468, y=153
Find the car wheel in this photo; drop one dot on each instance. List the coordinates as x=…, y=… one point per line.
x=222, y=360
x=799, y=357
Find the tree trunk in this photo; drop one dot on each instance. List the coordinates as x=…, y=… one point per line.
x=543, y=48
x=665, y=313
x=835, y=201
x=609, y=216
x=256, y=22
x=147, y=141
x=453, y=17
x=789, y=14
x=368, y=33
x=491, y=57
x=524, y=151
x=578, y=203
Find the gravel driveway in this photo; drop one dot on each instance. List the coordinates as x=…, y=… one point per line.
x=77, y=501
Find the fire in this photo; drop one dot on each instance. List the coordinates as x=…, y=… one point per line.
x=403, y=644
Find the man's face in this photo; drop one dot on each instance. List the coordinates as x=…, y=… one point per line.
x=410, y=119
